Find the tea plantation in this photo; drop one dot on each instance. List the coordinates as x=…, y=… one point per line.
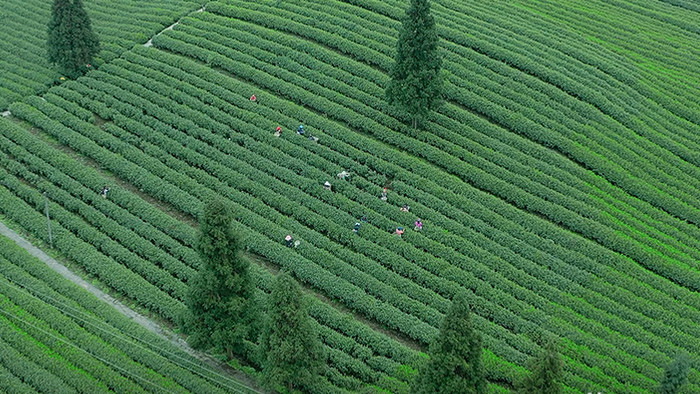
x=558, y=184
x=56, y=337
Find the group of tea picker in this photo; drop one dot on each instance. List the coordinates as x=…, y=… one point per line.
x=417, y=224
x=344, y=175
x=278, y=131
x=300, y=131
x=289, y=241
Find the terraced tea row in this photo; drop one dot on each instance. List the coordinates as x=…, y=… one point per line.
x=118, y=24
x=56, y=337
x=239, y=36
x=572, y=220
x=533, y=182
x=303, y=14
x=140, y=105
x=593, y=65
x=351, y=356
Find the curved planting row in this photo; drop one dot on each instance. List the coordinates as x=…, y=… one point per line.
x=262, y=152
x=277, y=37
x=350, y=294
x=61, y=339
x=373, y=128
x=168, y=94
x=493, y=156
x=490, y=18
x=610, y=69
x=283, y=23
x=119, y=25
x=590, y=67
x=159, y=228
x=372, y=358
x=161, y=129
x=179, y=111
x=474, y=25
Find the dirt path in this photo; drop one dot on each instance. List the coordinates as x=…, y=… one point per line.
x=149, y=43
x=125, y=310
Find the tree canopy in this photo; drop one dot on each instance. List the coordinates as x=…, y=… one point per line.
x=293, y=355
x=71, y=43
x=675, y=375
x=546, y=372
x=416, y=81
x=455, y=356
x=220, y=301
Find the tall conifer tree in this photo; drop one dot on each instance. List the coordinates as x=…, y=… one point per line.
x=416, y=81
x=455, y=356
x=293, y=356
x=546, y=373
x=675, y=375
x=220, y=300
x=59, y=34
x=71, y=42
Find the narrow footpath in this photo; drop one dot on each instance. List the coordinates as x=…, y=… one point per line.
x=149, y=43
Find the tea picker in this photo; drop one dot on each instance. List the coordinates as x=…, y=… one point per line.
x=419, y=225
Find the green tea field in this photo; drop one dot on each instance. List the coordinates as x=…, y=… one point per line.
x=58, y=338
x=558, y=183
x=120, y=24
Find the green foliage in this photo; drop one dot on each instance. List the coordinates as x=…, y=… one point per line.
x=406, y=372
x=152, y=184
x=455, y=364
x=374, y=348
x=293, y=357
x=222, y=311
x=675, y=375
x=604, y=274
x=28, y=71
x=86, y=44
x=85, y=253
x=156, y=100
x=416, y=83
x=39, y=306
x=546, y=373
x=71, y=42
x=59, y=33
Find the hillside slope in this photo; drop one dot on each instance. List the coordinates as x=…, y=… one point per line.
x=119, y=24
x=56, y=337
x=558, y=183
